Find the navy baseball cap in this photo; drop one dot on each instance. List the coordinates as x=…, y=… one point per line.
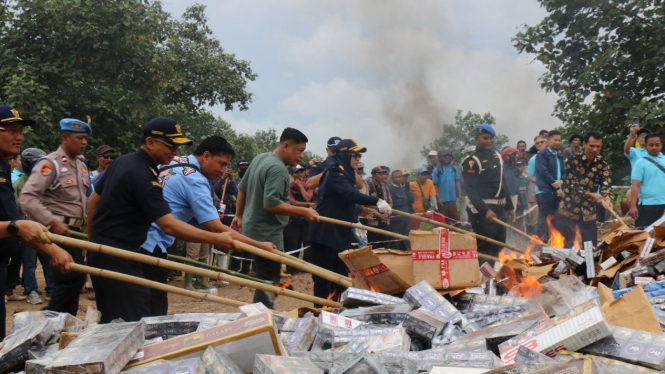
x=165, y=128
x=333, y=142
x=350, y=145
x=75, y=125
x=296, y=168
x=423, y=170
x=242, y=164
x=9, y=115
x=485, y=129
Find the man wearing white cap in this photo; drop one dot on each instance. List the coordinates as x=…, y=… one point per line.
x=433, y=157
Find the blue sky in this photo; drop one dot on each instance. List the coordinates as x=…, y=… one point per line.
x=386, y=73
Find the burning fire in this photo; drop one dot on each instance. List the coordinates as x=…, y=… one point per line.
x=332, y=295
x=519, y=285
x=286, y=284
x=510, y=255
x=556, y=239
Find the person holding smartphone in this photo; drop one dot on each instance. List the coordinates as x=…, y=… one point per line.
x=638, y=134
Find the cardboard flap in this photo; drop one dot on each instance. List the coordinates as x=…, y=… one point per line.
x=659, y=236
x=369, y=273
x=632, y=240
x=632, y=310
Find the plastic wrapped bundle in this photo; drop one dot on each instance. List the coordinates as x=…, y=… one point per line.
x=298, y=340
x=341, y=337
x=253, y=309
x=423, y=323
x=484, y=359
x=633, y=346
x=364, y=363
x=323, y=339
x=215, y=362
x=299, y=324
x=100, y=349
x=395, y=340
x=397, y=364
x=393, y=314
x=354, y=297
x=324, y=360
x=39, y=359
x=15, y=347
x=184, y=323
x=61, y=322
x=266, y=364
x=425, y=296
x=153, y=367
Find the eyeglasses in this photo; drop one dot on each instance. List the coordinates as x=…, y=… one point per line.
x=541, y=142
x=356, y=155
x=171, y=146
x=107, y=157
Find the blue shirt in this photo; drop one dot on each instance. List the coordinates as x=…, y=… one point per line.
x=444, y=178
x=188, y=194
x=652, y=178
x=16, y=174
x=531, y=171
x=635, y=154
x=558, y=165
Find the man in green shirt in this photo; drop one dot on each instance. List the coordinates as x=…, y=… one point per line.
x=263, y=206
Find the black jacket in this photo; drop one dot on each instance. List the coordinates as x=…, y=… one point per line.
x=546, y=169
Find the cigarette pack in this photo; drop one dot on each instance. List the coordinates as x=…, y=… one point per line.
x=324, y=360
x=341, y=337
x=184, y=323
x=299, y=340
x=299, y=324
x=487, y=271
x=396, y=340
x=643, y=270
x=215, y=362
x=644, y=280
x=633, y=346
x=583, y=325
x=100, y=349
x=190, y=365
x=361, y=363
x=590, y=263
x=253, y=309
x=39, y=360
x=240, y=339
x=397, y=364
x=393, y=314
x=626, y=279
x=575, y=259
x=660, y=267
x=653, y=258
x=267, y=364
x=15, y=347
x=423, y=323
x=155, y=367
x=60, y=322
x=426, y=359
x=326, y=318
x=323, y=339
x=424, y=295
x=359, y=297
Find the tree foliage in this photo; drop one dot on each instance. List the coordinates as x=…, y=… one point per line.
x=462, y=133
x=605, y=61
x=120, y=61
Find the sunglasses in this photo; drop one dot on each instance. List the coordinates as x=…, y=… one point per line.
x=171, y=146
x=356, y=155
x=541, y=142
x=107, y=157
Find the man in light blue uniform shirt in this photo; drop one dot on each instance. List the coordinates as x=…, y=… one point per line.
x=648, y=178
x=187, y=190
x=447, y=179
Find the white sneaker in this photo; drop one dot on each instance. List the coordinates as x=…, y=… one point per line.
x=34, y=298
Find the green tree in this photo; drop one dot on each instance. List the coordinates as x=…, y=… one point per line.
x=120, y=61
x=462, y=133
x=604, y=60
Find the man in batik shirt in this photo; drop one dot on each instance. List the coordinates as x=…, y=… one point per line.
x=587, y=184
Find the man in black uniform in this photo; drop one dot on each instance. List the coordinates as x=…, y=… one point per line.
x=11, y=137
x=337, y=199
x=127, y=199
x=487, y=195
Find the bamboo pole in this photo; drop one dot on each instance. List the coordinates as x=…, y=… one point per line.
x=533, y=239
x=282, y=258
x=151, y=284
x=189, y=261
x=386, y=233
x=611, y=209
x=449, y=227
x=111, y=251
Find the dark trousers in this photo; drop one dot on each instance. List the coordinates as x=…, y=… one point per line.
x=327, y=258
x=449, y=209
x=566, y=226
x=373, y=237
x=14, y=268
x=30, y=257
x=241, y=266
x=295, y=236
x=117, y=299
x=159, y=301
x=3, y=285
x=648, y=214
x=481, y=226
x=65, y=297
x=548, y=204
x=401, y=228
x=270, y=271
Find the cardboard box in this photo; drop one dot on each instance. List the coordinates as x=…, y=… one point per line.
x=369, y=273
x=241, y=339
x=582, y=326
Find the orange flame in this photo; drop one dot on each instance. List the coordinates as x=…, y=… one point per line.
x=556, y=239
x=510, y=255
x=286, y=284
x=520, y=285
x=332, y=294
x=372, y=288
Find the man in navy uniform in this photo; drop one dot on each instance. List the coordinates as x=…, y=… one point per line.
x=11, y=137
x=487, y=195
x=126, y=201
x=337, y=199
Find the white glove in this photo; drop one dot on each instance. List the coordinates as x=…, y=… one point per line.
x=384, y=207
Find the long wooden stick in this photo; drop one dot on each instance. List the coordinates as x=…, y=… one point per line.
x=449, y=227
x=386, y=233
x=533, y=239
x=111, y=251
x=611, y=209
x=189, y=261
x=151, y=284
x=282, y=258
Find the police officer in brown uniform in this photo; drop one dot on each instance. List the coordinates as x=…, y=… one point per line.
x=55, y=195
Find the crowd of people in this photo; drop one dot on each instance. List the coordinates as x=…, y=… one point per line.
x=153, y=199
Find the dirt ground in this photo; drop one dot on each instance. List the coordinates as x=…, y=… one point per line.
x=177, y=304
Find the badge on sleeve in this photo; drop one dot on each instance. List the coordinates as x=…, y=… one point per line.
x=69, y=181
x=471, y=164
x=47, y=170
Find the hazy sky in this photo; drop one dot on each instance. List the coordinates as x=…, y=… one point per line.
x=386, y=73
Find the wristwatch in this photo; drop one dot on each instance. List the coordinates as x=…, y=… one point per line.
x=12, y=229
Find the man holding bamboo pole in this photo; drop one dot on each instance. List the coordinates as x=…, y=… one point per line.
x=337, y=199
x=126, y=201
x=186, y=188
x=263, y=204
